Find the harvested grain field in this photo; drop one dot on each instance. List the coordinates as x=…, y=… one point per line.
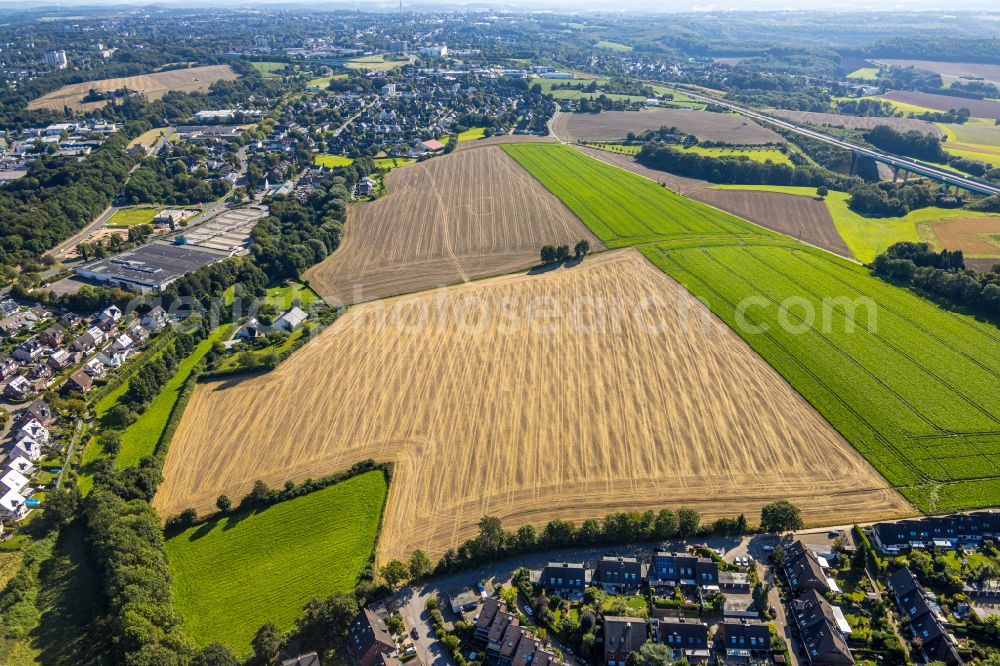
x=707, y=126
x=153, y=86
x=980, y=108
x=974, y=236
x=568, y=394
x=449, y=219
x=796, y=216
x=858, y=122
x=950, y=71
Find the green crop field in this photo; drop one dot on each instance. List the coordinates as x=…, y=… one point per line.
x=387, y=164
x=233, y=574
x=472, y=134
x=911, y=386
x=755, y=154
x=331, y=161
x=621, y=207
x=140, y=438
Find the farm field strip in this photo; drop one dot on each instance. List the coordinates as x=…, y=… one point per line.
x=922, y=373
x=528, y=422
x=648, y=213
x=707, y=126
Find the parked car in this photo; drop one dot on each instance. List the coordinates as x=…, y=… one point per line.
x=768, y=548
x=414, y=633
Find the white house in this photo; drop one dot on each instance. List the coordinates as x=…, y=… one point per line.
x=97, y=335
x=112, y=314
x=291, y=320
x=13, y=480
x=123, y=342
x=155, y=319
x=22, y=465
x=12, y=506
x=35, y=430
x=94, y=368
x=249, y=330
x=115, y=359
x=27, y=448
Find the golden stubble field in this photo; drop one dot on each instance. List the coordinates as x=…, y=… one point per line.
x=450, y=219
x=153, y=86
x=526, y=397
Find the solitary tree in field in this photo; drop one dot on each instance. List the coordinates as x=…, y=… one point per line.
x=223, y=503
x=780, y=516
x=420, y=564
x=822, y=191
x=582, y=249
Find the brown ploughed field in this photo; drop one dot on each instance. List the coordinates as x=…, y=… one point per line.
x=707, y=126
x=951, y=71
x=858, y=122
x=974, y=236
x=564, y=394
x=980, y=108
x=450, y=219
x=153, y=86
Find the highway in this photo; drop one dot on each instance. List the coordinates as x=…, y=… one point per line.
x=895, y=161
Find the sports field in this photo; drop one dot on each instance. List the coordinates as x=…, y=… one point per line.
x=450, y=219
x=566, y=393
x=233, y=574
x=620, y=207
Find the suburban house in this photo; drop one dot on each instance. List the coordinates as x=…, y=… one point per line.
x=502, y=648
x=122, y=342
x=155, y=319
x=110, y=316
x=22, y=465
x=291, y=320
x=81, y=381
x=138, y=334
x=670, y=570
x=59, y=359
x=19, y=388
x=115, y=358
x=70, y=320
x=28, y=351
x=12, y=506
x=938, y=531
x=27, y=448
x=39, y=411
x=98, y=335
x=53, y=336
x=620, y=575
x=429, y=147
x=804, y=570
x=491, y=607
x=13, y=480
x=249, y=331
x=8, y=367
x=929, y=634
x=743, y=641
x=686, y=638
x=823, y=629
x=34, y=430
x=94, y=368
x=565, y=578
x=622, y=636
x=368, y=637
x=84, y=343
x=365, y=187
x=734, y=582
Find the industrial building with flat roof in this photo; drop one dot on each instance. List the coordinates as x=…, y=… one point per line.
x=150, y=267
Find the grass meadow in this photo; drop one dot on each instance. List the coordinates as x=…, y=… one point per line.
x=910, y=385
x=331, y=161
x=129, y=217
x=234, y=573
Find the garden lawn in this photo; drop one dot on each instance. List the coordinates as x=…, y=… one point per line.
x=907, y=383
x=284, y=297
x=331, y=161
x=867, y=237
x=128, y=217
x=620, y=207
x=141, y=438
x=233, y=574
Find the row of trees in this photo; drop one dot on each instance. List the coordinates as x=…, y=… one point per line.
x=552, y=253
x=913, y=143
x=738, y=169
x=891, y=200
x=940, y=274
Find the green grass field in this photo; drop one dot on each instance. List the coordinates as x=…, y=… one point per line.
x=387, y=164
x=574, y=93
x=867, y=237
x=471, y=134
x=755, y=154
x=232, y=574
x=613, y=46
x=976, y=131
x=284, y=297
x=324, y=81
x=128, y=217
x=911, y=386
x=637, y=210
x=864, y=73
x=269, y=70
x=140, y=438
x=331, y=161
